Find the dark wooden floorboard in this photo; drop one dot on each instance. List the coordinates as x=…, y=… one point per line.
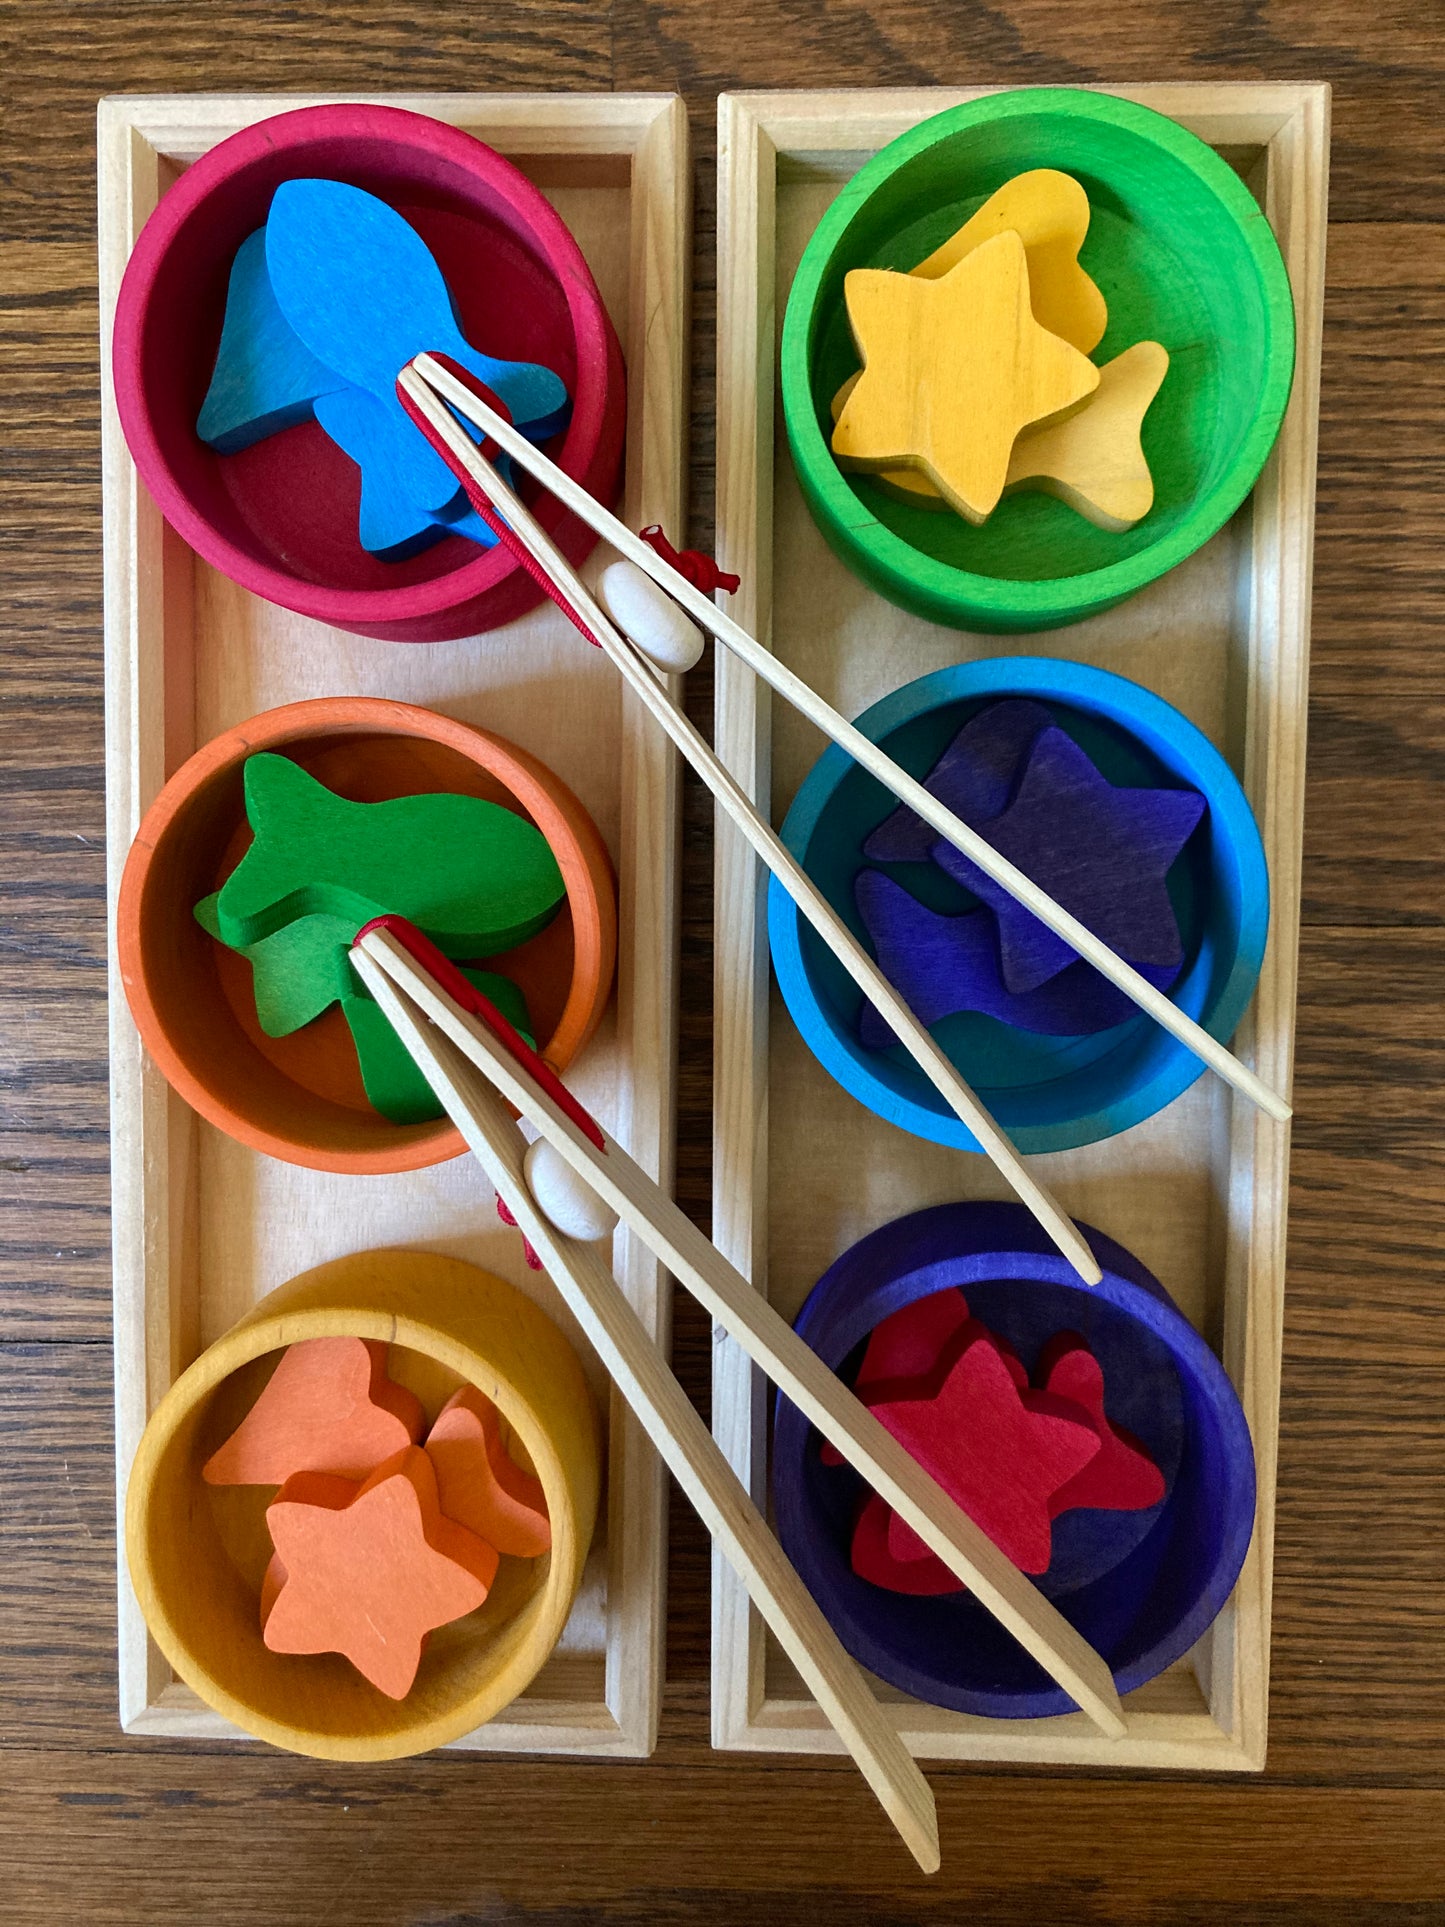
x=1347, y=1823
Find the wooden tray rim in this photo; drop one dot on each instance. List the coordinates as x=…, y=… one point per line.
x=766, y=137
x=636, y=138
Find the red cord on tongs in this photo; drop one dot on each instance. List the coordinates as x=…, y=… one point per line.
x=477, y=1004
x=692, y=564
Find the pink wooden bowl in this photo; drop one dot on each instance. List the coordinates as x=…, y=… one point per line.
x=280, y=517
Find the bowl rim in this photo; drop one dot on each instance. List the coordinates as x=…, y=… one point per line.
x=1129, y=1286
x=398, y=127
x=1130, y=706
x=574, y=838
x=961, y=595
x=278, y=1321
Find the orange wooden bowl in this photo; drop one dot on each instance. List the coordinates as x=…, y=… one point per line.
x=300, y=1098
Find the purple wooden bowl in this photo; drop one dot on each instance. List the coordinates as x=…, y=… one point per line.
x=1140, y=1586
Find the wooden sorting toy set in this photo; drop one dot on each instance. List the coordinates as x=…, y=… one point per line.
x=377, y=377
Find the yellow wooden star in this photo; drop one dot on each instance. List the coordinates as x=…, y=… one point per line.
x=1093, y=458
x=952, y=370
x=1049, y=212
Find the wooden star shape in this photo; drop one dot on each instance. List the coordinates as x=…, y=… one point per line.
x=368, y=1571
x=1001, y=1460
x=1123, y=1477
x=911, y=1351
x=952, y=370
x=872, y=1557
x=974, y=777
x=1103, y=853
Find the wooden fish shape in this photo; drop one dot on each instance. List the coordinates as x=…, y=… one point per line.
x=476, y=877
x=397, y=476
x=266, y=379
x=362, y=290
x=393, y=1083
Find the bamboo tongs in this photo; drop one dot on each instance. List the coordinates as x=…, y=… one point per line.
x=478, y=1067
x=430, y=392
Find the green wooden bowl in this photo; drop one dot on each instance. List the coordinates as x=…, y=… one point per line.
x=1182, y=254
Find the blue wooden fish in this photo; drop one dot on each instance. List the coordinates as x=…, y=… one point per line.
x=363, y=292
x=267, y=378
x=399, y=483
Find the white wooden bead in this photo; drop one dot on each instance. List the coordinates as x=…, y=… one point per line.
x=563, y=1198
x=646, y=613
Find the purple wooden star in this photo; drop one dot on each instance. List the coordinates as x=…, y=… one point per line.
x=1101, y=852
x=974, y=777
x=940, y=964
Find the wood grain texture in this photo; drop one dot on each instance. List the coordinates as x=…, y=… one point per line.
x=1346, y=1825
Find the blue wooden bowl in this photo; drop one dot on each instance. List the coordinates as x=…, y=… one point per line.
x=1048, y=1093
x=1140, y=1586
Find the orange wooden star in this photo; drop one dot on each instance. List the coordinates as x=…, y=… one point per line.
x=477, y=1482
x=328, y=1407
x=369, y=1570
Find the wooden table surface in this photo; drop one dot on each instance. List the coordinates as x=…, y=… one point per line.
x=1348, y=1823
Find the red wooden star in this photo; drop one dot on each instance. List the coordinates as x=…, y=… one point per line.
x=873, y=1558
x=368, y=1571
x=910, y=1351
x=1123, y=1477
x=998, y=1457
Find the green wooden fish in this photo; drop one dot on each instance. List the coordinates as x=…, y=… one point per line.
x=475, y=877
x=394, y=1085
x=296, y=972
x=300, y=971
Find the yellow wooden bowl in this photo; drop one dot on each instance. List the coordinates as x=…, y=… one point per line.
x=197, y=1552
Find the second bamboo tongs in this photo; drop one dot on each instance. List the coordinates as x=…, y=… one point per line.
x=478, y=1068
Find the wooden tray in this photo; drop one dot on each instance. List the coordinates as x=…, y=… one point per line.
x=202, y=1226
x=800, y=1169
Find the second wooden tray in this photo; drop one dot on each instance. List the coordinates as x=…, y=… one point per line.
x=801, y=1171
x=203, y=1226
